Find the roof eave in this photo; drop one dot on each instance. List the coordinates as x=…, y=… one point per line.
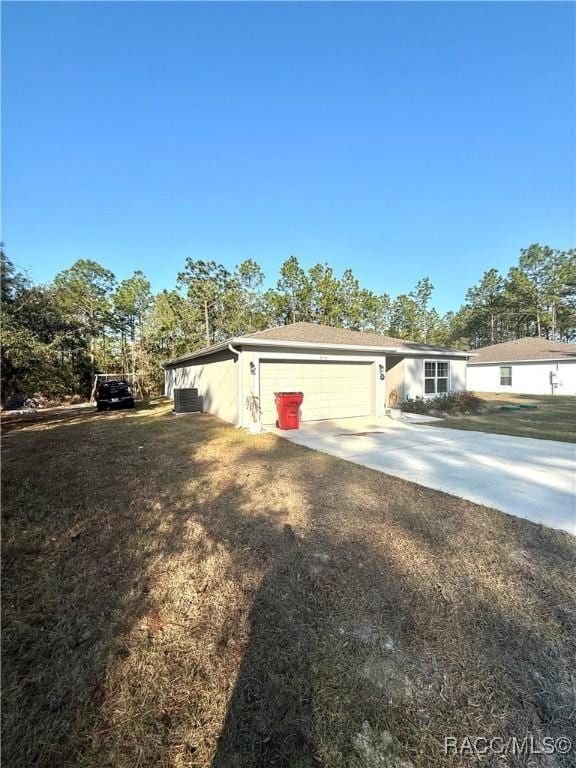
x=198, y=353
x=246, y=341
x=525, y=360
x=391, y=348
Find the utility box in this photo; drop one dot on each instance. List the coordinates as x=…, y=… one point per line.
x=187, y=400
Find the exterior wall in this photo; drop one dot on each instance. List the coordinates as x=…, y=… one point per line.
x=215, y=377
x=169, y=382
x=567, y=376
x=253, y=355
x=414, y=375
x=458, y=375
x=532, y=378
x=395, y=373
x=219, y=377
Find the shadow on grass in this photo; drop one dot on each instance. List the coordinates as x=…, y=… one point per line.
x=178, y=593
x=69, y=415
x=373, y=639
x=81, y=536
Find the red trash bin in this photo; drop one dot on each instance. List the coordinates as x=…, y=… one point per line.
x=288, y=409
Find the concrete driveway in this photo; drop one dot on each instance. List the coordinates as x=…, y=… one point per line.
x=534, y=479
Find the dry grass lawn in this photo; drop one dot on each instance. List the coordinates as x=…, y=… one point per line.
x=553, y=419
x=179, y=593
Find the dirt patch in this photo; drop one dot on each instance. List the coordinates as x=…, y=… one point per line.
x=387, y=673
x=177, y=593
x=376, y=750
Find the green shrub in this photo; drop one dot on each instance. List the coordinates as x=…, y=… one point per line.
x=452, y=402
x=415, y=405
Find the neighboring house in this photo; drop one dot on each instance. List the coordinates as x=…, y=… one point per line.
x=342, y=373
x=531, y=366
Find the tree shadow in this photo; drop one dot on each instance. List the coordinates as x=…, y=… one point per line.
x=405, y=627
x=394, y=621
x=70, y=415
x=88, y=512
x=272, y=606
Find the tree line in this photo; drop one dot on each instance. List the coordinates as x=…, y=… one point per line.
x=56, y=336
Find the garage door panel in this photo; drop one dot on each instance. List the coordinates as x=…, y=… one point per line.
x=331, y=390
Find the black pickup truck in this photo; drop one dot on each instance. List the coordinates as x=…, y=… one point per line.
x=114, y=393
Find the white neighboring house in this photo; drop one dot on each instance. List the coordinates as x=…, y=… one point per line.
x=530, y=366
x=342, y=373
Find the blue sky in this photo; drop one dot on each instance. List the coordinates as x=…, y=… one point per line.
x=401, y=139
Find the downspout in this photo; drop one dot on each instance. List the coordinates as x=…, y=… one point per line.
x=240, y=384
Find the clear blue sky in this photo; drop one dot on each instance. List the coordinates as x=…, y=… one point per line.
x=401, y=139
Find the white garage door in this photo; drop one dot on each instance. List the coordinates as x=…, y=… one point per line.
x=331, y=390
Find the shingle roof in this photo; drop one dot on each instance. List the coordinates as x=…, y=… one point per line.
x=530, y=348
x=312, y=333
x=326, y=334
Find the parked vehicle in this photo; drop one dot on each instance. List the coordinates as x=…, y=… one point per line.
x=114, y=394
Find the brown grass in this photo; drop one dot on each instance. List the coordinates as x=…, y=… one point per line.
x=553, y=419
x=178, y=593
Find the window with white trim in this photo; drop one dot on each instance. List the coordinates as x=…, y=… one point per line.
x=436, y=377
x=505, y=375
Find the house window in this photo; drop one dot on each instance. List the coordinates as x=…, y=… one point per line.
x=436, y=375
x=505, y=375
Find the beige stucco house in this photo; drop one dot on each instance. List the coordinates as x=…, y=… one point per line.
x=342, y=373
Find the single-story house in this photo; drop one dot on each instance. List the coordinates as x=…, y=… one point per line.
x=342, y=373
x=531, y=366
